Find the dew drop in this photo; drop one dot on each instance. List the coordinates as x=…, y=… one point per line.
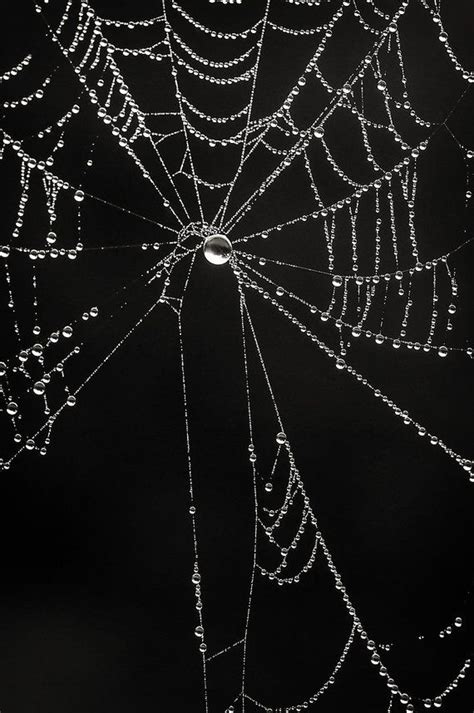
x=39, y=388
x=217, y=249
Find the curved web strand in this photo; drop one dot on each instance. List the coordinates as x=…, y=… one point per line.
x=132, y=111
x=181, y=113
x=223, y=208
x=248, y=281
x=375, y=651
x=310, y=134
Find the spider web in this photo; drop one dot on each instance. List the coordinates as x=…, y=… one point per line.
x=335, y=164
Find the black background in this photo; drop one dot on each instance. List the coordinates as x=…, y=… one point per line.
x=96, y=604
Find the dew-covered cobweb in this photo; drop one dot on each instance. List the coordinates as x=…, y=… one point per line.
x=290, y=154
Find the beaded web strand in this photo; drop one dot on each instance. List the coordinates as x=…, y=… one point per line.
x=339, y=263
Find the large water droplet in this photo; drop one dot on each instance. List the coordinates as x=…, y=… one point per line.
x=217, y=249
